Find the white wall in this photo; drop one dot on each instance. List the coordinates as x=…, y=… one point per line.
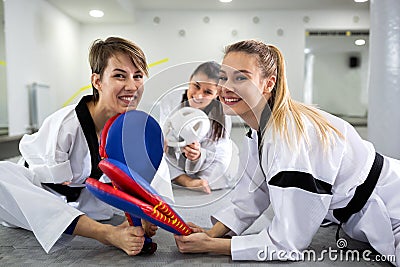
x=337, y=88
x=3, y=84
x=205, y=41
x=202, y=41
x=44, y=45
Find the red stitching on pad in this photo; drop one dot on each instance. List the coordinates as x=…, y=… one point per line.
x=134, y=190
x=125, y=183
x=128, y=185
x=147, y=209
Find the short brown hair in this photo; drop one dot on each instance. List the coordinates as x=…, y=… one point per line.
x=101, y=51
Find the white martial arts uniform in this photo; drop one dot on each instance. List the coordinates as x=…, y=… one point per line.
x=303, y=184
x=215, y=155
x=59, y=152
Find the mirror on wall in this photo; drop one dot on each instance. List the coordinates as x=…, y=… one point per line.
x=3, y=83
x=336, y=71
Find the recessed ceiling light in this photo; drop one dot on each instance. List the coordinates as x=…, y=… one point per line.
x=360, y=1
x=359, y=42
x=96, y=13
x=225, y=1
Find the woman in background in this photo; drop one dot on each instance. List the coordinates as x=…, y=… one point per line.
x=201, y=165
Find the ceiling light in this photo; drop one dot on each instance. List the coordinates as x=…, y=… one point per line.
x=359, y=42
x=96, y=13
x=225, y=1
x=360, y=1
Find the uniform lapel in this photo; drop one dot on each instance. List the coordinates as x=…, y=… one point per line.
x=89, y=130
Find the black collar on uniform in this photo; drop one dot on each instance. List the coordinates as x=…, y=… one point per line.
x=89, y=130
x=265, y=115
x=248, y=134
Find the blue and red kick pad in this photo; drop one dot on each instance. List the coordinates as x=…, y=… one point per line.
x=131, y=146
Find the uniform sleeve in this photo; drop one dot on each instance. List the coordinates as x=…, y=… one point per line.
x=299, y=185
x=194, y=166
x=46, y=151
x=162, y=181
x=215, y=157
x=214, y=160
x=170, y=103
x=249, y=200
x=298, y=214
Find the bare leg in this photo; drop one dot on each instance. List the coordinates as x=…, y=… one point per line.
x=193, y=183
x=128, y=238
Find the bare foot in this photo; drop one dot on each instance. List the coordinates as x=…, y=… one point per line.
x=128, y=238
x=149, y=228
x=200, y=185
x=196, y=184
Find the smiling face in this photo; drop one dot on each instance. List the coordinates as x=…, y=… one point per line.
x=202, y=90
x=121, y=85
x=241, y=87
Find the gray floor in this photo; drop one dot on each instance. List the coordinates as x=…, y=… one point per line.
x=20, y=248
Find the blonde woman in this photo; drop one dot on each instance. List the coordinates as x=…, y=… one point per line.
x=303, y=162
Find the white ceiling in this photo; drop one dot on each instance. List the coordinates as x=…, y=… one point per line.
x=123, y=11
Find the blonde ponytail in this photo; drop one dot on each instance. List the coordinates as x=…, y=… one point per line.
x=284, y=105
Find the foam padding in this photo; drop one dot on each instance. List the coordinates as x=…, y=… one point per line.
x=133, y=184
x=136, y=140
x=131, y=146
x=136, y=207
